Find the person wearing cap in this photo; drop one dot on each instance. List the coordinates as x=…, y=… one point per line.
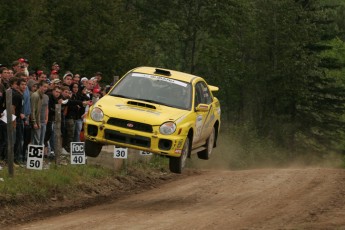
x=24, y=62
x=96, y=94
x=54, y=74
x=76, y=78
x=83, y=82
x=56, y=67
x=18, y=67
x=67, y=79
x=55, y=81
x=52, y=85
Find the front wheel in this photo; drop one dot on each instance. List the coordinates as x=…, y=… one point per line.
x=176, y=164
x=92, y=149
x=205, y=154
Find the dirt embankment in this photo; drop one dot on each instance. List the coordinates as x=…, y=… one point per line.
x=311, y=198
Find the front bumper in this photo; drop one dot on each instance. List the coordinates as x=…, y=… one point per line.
x=148, y=140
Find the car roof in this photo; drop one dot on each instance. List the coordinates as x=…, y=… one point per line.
x=177, y=75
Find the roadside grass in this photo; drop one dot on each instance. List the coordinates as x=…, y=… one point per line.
x=39, y=185
x=64, y=180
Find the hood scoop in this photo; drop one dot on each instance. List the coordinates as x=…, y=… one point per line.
x=140, y=104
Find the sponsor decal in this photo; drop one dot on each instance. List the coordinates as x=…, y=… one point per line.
x=160, y=78
x=199, y=118
x=198, y=127
x=179, y=144
x=178, y=151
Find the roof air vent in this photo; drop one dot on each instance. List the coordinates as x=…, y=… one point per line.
x=163, y=72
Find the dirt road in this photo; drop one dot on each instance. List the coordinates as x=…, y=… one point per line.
x=311, y=198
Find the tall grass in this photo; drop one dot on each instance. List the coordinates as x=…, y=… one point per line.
x=37, y=185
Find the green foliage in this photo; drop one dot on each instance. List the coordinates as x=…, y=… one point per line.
x=279, y=64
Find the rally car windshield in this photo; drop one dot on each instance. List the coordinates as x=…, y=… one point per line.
x=154, y=89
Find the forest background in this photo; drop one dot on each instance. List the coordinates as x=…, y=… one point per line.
x=279, y=64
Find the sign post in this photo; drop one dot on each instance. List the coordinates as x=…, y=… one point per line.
x=35, y=157
x=77, y=153
x=57, y=136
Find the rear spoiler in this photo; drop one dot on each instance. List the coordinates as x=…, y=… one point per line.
x=213, y=88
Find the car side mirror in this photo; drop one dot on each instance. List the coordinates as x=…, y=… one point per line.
x=202, y=108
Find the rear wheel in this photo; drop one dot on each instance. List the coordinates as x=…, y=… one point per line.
x=92, y=149
x=205, y=154
x=176, y=164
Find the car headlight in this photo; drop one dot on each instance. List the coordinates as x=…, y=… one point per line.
x=97, y=114
x=167, y=128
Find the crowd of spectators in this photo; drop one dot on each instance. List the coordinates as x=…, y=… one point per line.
x=34, y=96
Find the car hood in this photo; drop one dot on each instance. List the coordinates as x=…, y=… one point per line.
x=140, y=111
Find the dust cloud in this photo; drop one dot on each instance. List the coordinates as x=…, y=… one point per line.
x=234, y=154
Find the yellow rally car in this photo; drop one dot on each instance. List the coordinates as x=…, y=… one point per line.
x=162, y=111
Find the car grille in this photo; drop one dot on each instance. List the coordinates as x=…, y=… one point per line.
x=130, y=125
x=126, y=138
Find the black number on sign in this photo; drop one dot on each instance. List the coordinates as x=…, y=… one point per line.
x=35, y=163
x=146, y=153
x=78, y=159
x=120, y=153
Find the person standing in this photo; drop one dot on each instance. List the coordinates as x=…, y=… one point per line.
x=69, y=114
x=36, y=105
x=54, y=98
x=27, y=112
x=80, y=95
x=43, y=118
x=97, y=80
x=3, y=126
x=81, y=111
x=18, y=86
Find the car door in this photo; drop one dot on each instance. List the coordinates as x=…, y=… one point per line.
x=203, y=122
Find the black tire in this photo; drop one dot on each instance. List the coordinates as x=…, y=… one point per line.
x=205, y=154
x=176, y=164
x=92, y=149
